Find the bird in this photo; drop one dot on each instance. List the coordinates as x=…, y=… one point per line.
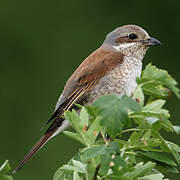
x=111, y=69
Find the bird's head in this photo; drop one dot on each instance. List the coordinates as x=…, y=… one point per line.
x=130, y=40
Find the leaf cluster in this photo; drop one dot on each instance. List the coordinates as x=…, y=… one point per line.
x=122, y=135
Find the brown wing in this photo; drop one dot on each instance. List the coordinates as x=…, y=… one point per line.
x=84, y=79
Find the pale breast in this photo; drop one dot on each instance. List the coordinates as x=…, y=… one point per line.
x=121, y=80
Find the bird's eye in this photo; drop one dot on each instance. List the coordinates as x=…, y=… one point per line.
x=132, y=36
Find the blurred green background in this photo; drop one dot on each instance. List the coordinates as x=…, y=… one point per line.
x=43, y=42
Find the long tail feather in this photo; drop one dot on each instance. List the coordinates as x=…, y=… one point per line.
x=34, y=150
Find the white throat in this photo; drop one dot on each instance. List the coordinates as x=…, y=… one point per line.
x=133, y=49
x=124, y=46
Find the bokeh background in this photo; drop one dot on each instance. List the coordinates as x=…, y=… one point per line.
x=43, y=42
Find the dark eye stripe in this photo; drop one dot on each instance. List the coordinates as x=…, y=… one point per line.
x=127, y=39
x=123, y=39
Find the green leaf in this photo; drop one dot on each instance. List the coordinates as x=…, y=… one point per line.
x=90, y=170
x=156, y=90
x=5, y=177
x=74, y=119
x=159, y=157
x=174, y=151
x=158, y=104
x=74, y=136
x=163, y=145
x=120, y=162
x=175, y=146
x=114, y=112
x=5, y=167
x=67, y=168
x=78, y=125
x=167, y=125
x=155, y=109
x=135, y=136
x=61, y=174
x=141, y=169
x=76, y=176
x=151, y=120
x=93, y=152
x=152, y=177
x=105, y=164
x=79, y=166
x=93, y=130
x=116, y=177
x=176, y=129
x=84, y=117
x=152, y=142
x=96, y=150
x=139, y=95
x=164, y=168
x=113, y=147
x=151, y=73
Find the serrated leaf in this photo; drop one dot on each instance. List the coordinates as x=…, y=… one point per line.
x=74, y=119
x=151, y=73
x=159, y=157
x=74, y=136
x=114, y=112
x=77, y=125
x=93, y=130
x=158, y=104
x=155, y=108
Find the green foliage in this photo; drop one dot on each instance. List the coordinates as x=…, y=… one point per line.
x=4, y=169
x=136, y=149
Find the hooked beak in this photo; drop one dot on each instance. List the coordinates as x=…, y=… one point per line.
x=151, y=42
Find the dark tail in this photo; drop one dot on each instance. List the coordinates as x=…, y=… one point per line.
x=34, y=150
